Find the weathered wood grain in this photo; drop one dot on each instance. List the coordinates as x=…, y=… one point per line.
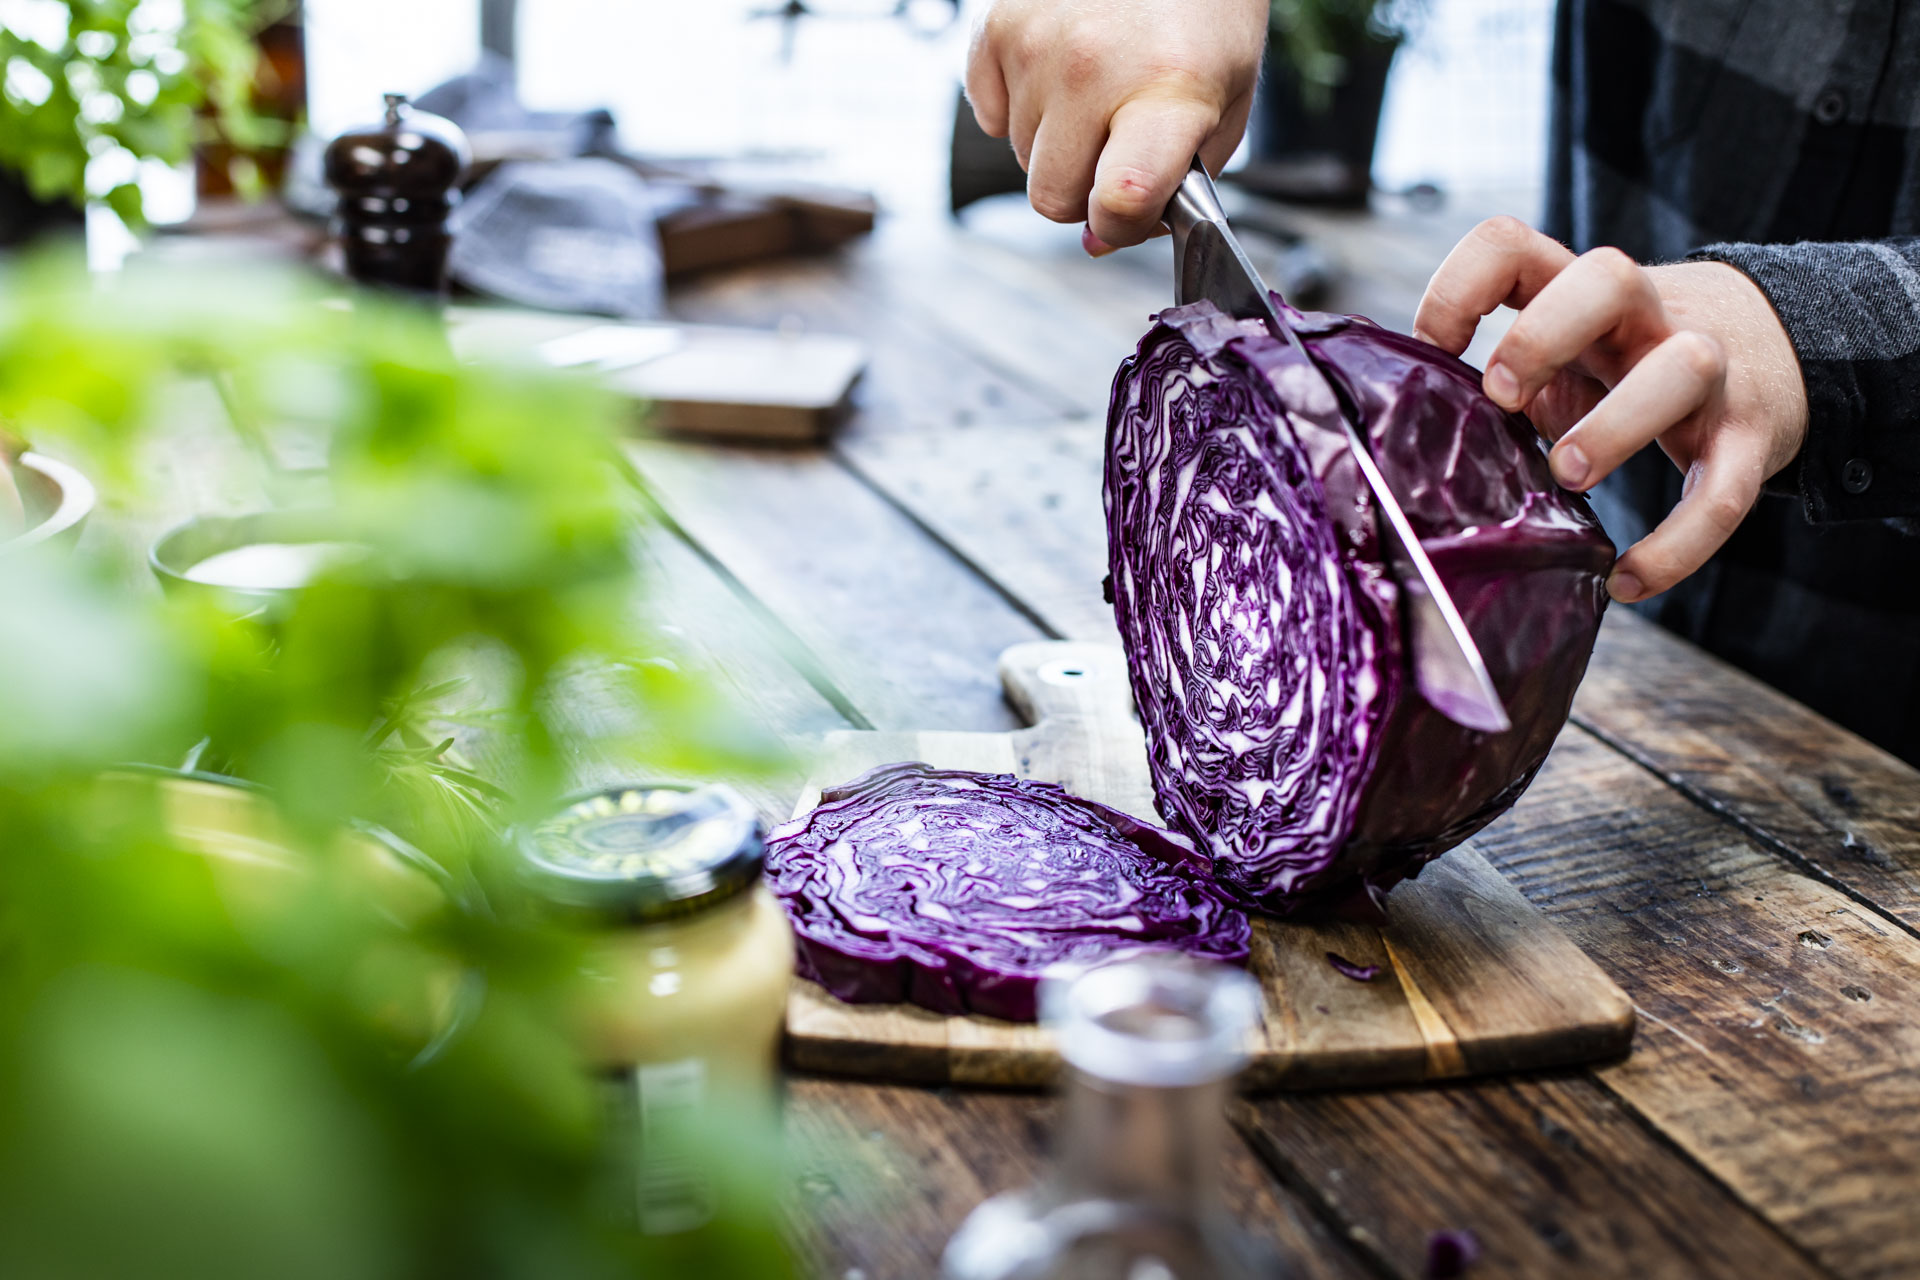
x=1021, y=292
x=1551, y=1175
x=1832, y=802
x=887, y=1173
x=918, y=380
x=739, y=647
x=1820, y=1146
x=1780, y=1044
x=765, y=712
x=889, y=616
x=988, y=299
x=1472, y=953
x=1020, y=502
x=1737, y=1143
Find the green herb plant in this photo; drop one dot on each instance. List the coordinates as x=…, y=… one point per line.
x=88, y=87
x=302, y=1059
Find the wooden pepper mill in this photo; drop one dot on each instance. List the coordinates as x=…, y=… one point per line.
x=397, y=184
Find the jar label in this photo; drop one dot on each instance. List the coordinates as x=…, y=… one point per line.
x=657, y=1113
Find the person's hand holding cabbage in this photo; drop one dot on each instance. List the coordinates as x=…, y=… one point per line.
x=1607, y=357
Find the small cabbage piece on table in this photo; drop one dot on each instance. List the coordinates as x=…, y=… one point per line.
x=1264, y=632
x=960, y=891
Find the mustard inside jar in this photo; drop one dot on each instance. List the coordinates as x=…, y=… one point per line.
x=689, y=961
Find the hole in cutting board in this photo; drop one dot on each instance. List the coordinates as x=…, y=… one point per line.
x=1065, y=671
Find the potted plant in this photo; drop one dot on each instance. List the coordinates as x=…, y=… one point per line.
x=1317, y=111
x=93, y=87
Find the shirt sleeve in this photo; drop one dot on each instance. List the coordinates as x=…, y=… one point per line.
x=1852, y=311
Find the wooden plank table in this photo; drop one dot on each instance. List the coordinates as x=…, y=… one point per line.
x=1746, y=871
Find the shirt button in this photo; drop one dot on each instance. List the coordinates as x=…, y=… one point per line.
x=1830, y=107
x=1856, y=475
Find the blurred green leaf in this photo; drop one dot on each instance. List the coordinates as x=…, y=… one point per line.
x=239, y=1034
x=143, y=81
x=107, y=679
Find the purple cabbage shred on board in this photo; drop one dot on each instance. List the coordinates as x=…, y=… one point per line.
x=1264, y=633
x=960, y=891
x=1348, y=969
x=1450, y=1254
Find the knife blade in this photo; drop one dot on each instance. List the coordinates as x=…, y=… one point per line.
x=1447, y=667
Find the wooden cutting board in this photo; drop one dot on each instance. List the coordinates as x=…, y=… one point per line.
x=692, y=379
x=1473, y=979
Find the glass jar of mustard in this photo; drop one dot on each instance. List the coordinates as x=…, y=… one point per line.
x=689, y=960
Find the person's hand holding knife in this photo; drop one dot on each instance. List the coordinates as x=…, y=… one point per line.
x=1107, y=101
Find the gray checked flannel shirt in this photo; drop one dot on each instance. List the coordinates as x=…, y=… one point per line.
x=1782, y=137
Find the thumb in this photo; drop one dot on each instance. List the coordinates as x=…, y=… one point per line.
x=1151, y=142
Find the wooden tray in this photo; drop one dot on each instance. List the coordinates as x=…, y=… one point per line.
x=692, y=379
x=1475, y=980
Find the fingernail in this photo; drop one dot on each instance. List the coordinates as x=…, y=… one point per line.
x=1093, y=244
x=1570, y=466
x=1503, y=386
x=1421, y=336
x=1624, y=587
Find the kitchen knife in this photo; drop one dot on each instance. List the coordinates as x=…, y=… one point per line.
x=1209, y=263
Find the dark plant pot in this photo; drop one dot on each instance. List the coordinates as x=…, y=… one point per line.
x=1322, y=157
x=979, y=165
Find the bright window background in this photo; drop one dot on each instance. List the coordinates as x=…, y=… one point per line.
x=867, y=99
x=1467, y=103
x=360, y=49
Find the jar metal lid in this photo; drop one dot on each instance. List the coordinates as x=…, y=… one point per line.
x=646, y=852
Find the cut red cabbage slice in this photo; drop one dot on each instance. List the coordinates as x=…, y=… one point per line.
x=960, y=891
x=1265, y=643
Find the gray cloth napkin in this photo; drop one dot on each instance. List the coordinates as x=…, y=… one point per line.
x=566, y=235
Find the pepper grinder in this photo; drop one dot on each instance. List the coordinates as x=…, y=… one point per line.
x=396, y=187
